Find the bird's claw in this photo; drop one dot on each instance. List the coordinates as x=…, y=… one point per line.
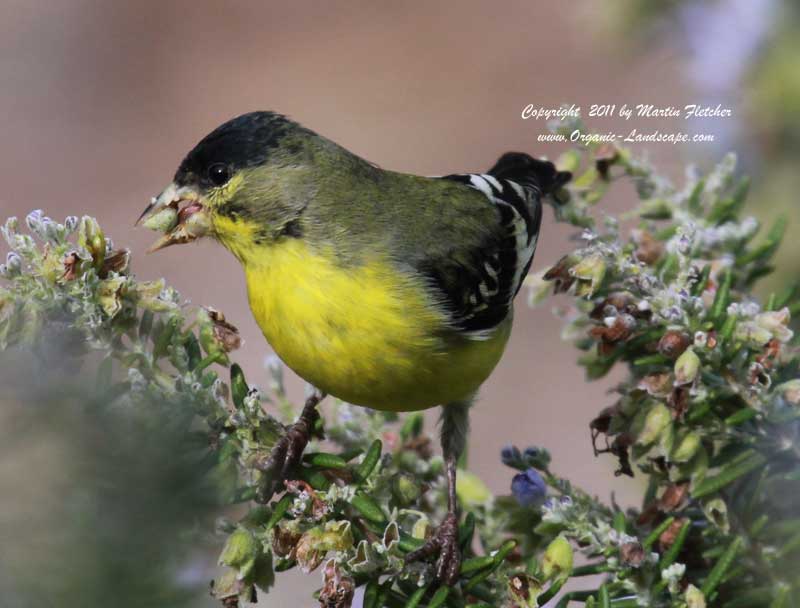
x=287, y=452
x=445, y=543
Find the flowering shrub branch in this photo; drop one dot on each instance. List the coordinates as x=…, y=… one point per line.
x=708, y=415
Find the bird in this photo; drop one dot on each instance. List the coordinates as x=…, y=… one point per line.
x=383, y=289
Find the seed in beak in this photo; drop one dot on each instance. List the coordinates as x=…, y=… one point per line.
x=190, y=209
x=162, y=221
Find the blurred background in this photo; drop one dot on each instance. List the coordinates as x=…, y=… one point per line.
x=100, y=100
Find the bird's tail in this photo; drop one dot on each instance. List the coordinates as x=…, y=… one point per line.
x=528, y=171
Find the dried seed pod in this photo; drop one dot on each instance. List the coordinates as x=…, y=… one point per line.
x=673, y=343
x=668, y=536
x=619, y=329
x=673, y=497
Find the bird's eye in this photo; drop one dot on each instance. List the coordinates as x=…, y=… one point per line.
x=218, y=174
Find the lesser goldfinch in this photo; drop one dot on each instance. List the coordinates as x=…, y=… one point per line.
x=384, y=289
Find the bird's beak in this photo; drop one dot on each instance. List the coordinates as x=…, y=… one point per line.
x=179, y=212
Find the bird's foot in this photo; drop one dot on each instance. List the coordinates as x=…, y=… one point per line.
x=287, y=452
x=445, y=543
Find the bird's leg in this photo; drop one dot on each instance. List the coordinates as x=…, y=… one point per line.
x=444, y=542
x=288, y=451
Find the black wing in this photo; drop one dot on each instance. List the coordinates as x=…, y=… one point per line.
x=479, y=293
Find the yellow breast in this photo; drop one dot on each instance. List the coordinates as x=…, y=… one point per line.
x=369, y=335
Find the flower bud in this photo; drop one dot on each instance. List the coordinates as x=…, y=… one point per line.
x=240, y=551
x=405, y=489
x=776, y=323
x=557, y=559
x=686, y=367
x=655, y=422
x=71, y=224
x=34, y=222
x=673, y=575
x=686, y=447
x=694, y=597
x=13, y=264
x=53, y=231
x=421, y=528
x=752, y=334
x=511, y=456
x=91, y=238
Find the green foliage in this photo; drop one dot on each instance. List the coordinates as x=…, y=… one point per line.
x=708, y=414
x=709, y=409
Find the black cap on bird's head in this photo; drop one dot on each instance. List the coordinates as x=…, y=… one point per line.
x=241, y=143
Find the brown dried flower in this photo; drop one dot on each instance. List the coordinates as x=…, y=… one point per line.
x=284, y=541
x=71, y=264
x=632, y=554
x=226, y=334
x=560, y=274
x=648, y=249
x=337, y=588
x=117, y=261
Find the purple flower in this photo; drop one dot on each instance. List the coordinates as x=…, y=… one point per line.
x=528, y=488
